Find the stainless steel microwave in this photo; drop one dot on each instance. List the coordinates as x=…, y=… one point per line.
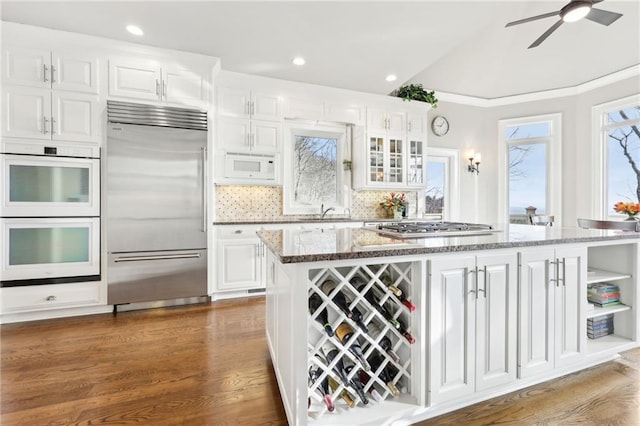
x=249, y=166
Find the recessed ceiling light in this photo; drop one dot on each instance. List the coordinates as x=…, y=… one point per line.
x=299, y=61
x=135, y=30
x=391, y=77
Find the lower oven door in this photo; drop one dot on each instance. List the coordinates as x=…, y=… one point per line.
x=49, y=250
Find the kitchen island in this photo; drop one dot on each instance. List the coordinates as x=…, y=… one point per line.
x=442, y=322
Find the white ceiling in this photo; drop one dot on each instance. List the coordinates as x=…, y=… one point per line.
x=453, y=46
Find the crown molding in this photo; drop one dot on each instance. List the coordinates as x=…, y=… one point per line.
x=632, y=71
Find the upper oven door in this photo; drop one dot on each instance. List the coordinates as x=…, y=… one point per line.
x=40, y=186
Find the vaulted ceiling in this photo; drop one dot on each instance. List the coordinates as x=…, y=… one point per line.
x=458, y=47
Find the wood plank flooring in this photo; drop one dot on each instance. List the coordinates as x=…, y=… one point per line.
x=209, y=365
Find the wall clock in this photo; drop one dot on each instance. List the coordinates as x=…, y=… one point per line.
x=440, y=125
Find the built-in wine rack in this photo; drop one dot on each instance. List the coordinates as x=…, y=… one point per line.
x=389, y=328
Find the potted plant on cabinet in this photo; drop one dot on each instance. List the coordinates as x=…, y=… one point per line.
x=415, y=92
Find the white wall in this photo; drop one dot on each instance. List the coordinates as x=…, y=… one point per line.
x=477, y=128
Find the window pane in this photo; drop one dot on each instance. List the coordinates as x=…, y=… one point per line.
x=527, y=180
x=523, y=131
x=434, y=194
x=315, y=170
x=624, y=114
x=623, y=149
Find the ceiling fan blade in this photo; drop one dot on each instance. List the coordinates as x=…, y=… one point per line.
x=603, y=17
x=533, y=18
x=546, y=34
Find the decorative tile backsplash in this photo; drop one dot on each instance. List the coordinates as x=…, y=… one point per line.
x=265, y=202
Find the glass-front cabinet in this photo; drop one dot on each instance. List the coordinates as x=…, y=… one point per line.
x=386, y=160
x=48, y=248
x=43, y=186
x=416, y=163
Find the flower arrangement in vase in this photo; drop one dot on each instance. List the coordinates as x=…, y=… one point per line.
x=630, y=209
x=394, y=204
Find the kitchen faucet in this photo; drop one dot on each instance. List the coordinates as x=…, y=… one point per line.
x=324, y=212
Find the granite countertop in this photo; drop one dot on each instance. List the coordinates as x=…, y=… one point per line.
x=296, y=246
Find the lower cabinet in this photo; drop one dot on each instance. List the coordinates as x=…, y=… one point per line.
x=55, y=296
x=472, y=322
x=552, y=298
x=240, y=258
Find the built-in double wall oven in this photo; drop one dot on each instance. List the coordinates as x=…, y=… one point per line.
x=50, y=213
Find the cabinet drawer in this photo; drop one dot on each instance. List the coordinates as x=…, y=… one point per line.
x=44, y=297
x=232, y=232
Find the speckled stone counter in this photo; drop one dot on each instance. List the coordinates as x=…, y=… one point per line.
x=296, y=246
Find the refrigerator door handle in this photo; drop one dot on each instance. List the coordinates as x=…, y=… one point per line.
x=203, y=151
x=156, y=257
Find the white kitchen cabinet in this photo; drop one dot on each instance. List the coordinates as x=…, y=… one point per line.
x=473, y=301
x=159, y=82
x=248, y=121
x=379, y=120
x=417, y=124
x=50, y=115
x=75, y=71
x=54, y=296
x=323, y=109
x=385, y=161
x=552, y=293
x=239, y=258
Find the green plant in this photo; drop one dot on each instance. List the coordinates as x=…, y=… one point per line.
x=415, y=92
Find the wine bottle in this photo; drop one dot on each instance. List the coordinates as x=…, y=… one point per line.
x=376, y=360
x=403, y=330
x=356, y=384
x=365, y=378
x=330, y=352
x=340, y=299
x=323, y=388
x=373, y=296
x=345, y=333
x=386, y=279
x=323, y=318
x=385, y=342
x=344, y=393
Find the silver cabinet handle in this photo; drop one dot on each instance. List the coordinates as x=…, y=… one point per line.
x=45, y=124
x=157, y=87
x=50, y=298
x=44, y=74
x=248, y=108
x=205, y=197
x=53, y=123
x=253, y=107
x=238, y=231
x=409, y=126
x=483, y=290
x=164, y=89
x=157, y=257
x=556, y=272
x=53, y=76
x=473, y=287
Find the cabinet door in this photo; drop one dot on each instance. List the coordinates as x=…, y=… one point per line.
x=27, y=112
x=265, y=106
x=75, y=72
x=312, y=109
x=344, y=112
x=27, y=67
x=571, y=289
x=376, y=120
x=234, y=134
x=396, y=122
x=496, y=319
x=417, y=124
x=376, y=160
x=183, y=86
x=234, y=103
x=452, y=328
x=416, y=170
x=536, y=310
x=396, y=154
x=238, y=264
x=76, y=117
x=265, y=136
x=137, y=79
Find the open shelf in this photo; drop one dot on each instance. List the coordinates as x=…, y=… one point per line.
x=600, y=275
x=612, y=342
x=608, y=310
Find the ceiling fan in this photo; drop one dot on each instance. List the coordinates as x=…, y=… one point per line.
x=572, y=12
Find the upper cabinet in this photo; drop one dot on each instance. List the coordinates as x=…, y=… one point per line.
x=394, y=154
x=76, y=71
x=316, y=108
x=249, y=121
x=152, y=81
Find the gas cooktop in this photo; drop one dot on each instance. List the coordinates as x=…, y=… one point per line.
x=432, y=229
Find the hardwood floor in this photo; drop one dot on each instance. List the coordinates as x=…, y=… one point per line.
x=209, y=365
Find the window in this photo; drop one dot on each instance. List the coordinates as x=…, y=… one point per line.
x=442, y=184
x=315, y=178
x=531, y=175
x=619, y=151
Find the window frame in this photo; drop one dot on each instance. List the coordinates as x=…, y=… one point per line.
x=451, y=159
x=553, y=163
x=316, y=128
x=599, y=158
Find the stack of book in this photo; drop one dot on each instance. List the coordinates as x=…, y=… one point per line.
x=599, y=326
x=603, y=294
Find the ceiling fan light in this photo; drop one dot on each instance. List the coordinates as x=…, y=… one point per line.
x=576, y=13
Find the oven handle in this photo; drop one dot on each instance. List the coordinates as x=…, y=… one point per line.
x=157, y=257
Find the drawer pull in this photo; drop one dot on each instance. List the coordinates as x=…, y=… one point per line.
x=238, y=231
x=51, y=298
x=157, y=257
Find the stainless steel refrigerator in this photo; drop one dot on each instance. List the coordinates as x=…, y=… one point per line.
x=155, y=204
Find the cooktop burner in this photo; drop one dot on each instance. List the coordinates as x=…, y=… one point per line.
x=432, y=229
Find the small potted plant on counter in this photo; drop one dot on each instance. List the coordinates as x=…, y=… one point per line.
x=394, y=205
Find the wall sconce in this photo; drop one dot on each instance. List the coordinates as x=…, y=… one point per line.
x=474, y=162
